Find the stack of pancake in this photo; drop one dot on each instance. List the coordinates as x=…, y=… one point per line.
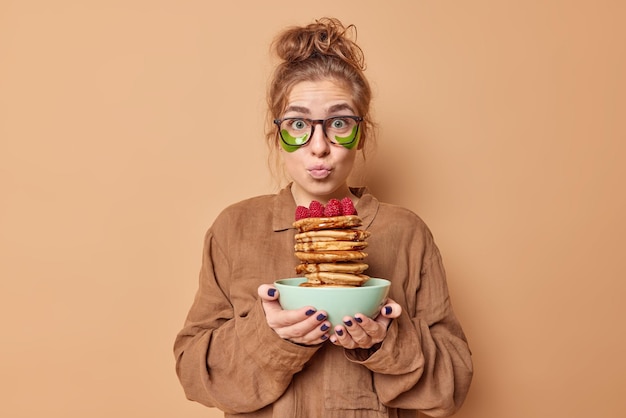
x=330, y=250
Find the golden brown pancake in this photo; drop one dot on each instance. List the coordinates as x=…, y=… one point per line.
x=335, y=222
x=311, y=284
x=330, y=246
x=333, y=235
x=342, y=267
x=336, y=278
x=330, y=251
x=330, y=256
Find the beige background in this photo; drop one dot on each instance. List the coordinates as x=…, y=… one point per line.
x=126, y=126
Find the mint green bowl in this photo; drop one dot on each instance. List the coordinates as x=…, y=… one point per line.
x=338, y=302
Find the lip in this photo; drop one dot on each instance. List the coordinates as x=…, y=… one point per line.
x=319, y=172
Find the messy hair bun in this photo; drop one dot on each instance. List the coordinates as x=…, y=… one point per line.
x=326, y=37
x=323, y=50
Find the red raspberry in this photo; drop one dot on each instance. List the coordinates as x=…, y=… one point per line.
x=333, y=208
x=347, y=206
x=302, y=212
x=316, y=209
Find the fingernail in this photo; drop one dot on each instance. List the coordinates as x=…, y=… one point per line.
x=310, y=312
x=321, y=317
x=324, y=337
x=324, y=327
x=348, y=323
x=359, y=320
x=388, y=310
x=271, y=292
x=339, y=332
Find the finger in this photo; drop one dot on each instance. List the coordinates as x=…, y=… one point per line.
x=313, y=330
x=372, y=328
x=391, y=309
x=341, y=337
x=267, y=292
x=277, y=317
x=383, y=322
x=357, y=332
x=313, y=338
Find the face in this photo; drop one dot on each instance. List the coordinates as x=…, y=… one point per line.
x=319, y=169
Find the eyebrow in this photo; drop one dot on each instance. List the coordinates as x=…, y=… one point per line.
x=341, y=106
x=332, y=109
x=298, y=109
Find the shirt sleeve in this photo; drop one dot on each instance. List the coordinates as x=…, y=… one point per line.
x=216, y=346
x=424, y=362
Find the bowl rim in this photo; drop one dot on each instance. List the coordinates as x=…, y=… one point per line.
x=375, y=282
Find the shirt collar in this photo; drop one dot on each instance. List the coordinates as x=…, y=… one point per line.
x=284, y=210
x=367, y=206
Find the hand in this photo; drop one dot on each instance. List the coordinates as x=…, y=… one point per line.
x=364, y=332
x=305, y=326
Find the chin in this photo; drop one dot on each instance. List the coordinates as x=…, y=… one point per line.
x=323, y=191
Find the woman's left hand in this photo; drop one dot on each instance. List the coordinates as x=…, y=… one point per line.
x=364, y=332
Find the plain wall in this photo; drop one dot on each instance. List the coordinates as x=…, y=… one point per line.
x=126, y=126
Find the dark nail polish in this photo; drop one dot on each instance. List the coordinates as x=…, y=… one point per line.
x=388, y=310
x=271, y=292
x=310, y=312
x=324, y=337
x=339, y=332
x=324, y=327
x=348, y=323
x=321, y=317
x=359, y=320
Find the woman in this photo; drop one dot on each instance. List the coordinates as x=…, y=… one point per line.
x=240, y=352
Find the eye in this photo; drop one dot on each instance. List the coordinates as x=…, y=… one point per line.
x=298, y=124
x=338, y=123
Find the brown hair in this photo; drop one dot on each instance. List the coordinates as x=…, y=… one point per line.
x=318, y=51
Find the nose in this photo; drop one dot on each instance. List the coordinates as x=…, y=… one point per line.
x=319, y=144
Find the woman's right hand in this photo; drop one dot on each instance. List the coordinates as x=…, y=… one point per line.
x=305, y=326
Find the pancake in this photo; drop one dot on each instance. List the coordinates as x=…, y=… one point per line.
x=353, y=267
x=334, y=222
x=330, y=256
x=330, y=246
x=336, y=278
x=333, y=235
x=310, y=284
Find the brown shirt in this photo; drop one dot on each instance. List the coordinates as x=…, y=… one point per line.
x=228, y=357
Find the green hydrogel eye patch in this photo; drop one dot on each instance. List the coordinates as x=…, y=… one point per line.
x=290, y=143
x=350, y=141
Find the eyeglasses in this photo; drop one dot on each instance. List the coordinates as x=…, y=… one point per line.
x=297, y=132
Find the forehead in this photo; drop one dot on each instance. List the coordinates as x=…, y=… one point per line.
x=319, y=97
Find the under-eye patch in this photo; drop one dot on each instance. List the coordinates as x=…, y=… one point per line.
x=351, y=140
x=290, y=143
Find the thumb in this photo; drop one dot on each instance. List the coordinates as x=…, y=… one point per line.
x=391, y=309
x=267, y=293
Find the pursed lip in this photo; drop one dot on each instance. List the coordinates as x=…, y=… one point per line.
x=319, y=171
